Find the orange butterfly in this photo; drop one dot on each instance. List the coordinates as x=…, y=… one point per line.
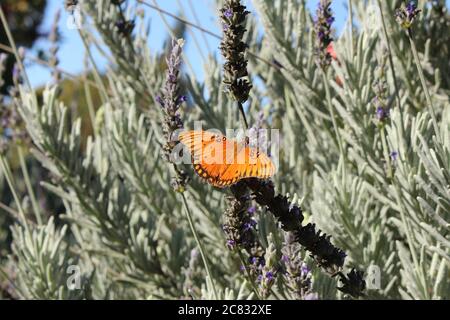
x=223, y=162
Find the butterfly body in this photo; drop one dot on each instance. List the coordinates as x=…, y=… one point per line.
x=223, y=162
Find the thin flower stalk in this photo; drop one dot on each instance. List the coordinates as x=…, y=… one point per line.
x=323, y=30
x=406, y=16
x=394, y=76
x=53, y=38
x=424, y=85
x=171, y=102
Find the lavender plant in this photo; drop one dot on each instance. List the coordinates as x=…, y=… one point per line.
x=358, y=208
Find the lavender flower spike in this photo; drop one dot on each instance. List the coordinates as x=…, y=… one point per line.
x=407, y=14
x=236, y=79
x=323, y=30
x=171, y=99
x=170, y=102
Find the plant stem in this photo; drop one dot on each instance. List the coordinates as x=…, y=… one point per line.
x=34, y=203
x=102, y=89
x=249, y=276
x=244, y=118
x=199, y=244
x=386, y=153
x=394, y=77
x=424, y=85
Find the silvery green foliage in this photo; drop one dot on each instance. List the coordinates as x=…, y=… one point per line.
x=125, y=227
x=40, y=256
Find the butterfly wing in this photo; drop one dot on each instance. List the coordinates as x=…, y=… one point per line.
x=249, y=163
x=208, y=154
x=224, y=162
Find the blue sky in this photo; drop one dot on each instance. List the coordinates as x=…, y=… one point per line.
x=72, y=52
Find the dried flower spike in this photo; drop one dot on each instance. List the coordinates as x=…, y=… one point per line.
x=353, y=284
x=233, y=16
x=407, y=14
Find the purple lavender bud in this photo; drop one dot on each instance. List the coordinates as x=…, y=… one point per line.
x=251, y=211
x=394, y=155
x=380, y=113
x=269, y=276
x=182, y=99
x=285, y=258
x=228, y=13
x=247, y=226
x=160, y=101
x=231, y=243
x=172, y=78
x=304, y=269
x=242, y=268
x=406, y=15
x=411, y=8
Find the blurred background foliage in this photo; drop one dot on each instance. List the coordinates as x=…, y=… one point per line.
x=24, y=18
